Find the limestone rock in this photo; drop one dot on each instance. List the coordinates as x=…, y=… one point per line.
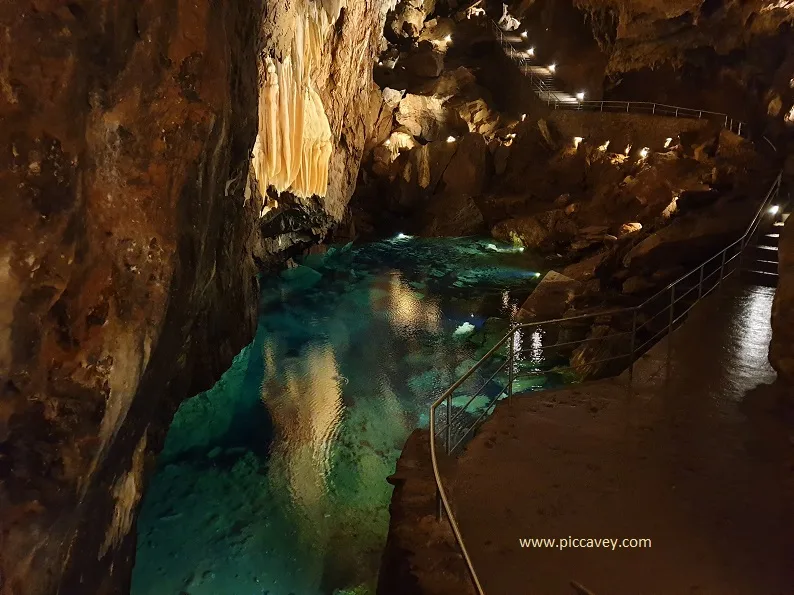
x=691, y=238
x=408, y=18
x=452, y=215
x=468, y=169
x=634, y=285
x=550, y=299
x=428, y=118
x=131, y=237
x=428, y=62
x=585, y=270
x=538, y=230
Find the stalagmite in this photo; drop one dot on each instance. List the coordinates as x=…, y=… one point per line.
x=294, y=145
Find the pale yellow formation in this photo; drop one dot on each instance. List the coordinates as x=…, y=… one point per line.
x=294, y=144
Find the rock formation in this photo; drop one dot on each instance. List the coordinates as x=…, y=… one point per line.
x=132, y=238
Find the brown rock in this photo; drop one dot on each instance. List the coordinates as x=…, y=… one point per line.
x=634, y=285
x=550, y=299
x=130, y=228
x=468, y=169
x=427, y=62
x=536, y=231
x=585, y=270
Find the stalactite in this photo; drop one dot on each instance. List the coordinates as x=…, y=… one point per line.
x=294, y=145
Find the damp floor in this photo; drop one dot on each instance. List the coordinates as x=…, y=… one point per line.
x=697, y=456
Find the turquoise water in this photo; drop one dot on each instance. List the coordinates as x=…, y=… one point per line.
x=274, y=481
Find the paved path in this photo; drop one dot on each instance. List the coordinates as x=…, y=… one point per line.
x=698, y=459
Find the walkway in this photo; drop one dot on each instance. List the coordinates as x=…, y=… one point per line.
x=698, y=459
x=541, y=77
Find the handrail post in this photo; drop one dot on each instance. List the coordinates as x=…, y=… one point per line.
x=510, y=362
x=700, y=283
x=670, y=324
x=633, y=345
x=653, y=111
x=676, y=112
x=449, y=425
x=722, y=268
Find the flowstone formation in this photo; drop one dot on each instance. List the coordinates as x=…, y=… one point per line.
x=294, y=144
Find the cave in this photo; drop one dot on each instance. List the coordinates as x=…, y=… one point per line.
x=293, y=292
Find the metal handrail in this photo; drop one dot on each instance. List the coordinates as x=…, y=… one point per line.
x=738, y=127
x=634, y=350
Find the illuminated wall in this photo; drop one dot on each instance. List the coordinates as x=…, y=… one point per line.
x=294, y=144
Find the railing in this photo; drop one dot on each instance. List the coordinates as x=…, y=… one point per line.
x=592, y=345
x=556, y=99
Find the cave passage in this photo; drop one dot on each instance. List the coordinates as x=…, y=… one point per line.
x=274, y=481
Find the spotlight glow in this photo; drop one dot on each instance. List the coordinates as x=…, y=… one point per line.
x=577, y=140
x=523, y=117
x=524, y=34
x=773, y=210
x=531, y=51
x=580, y=96
x=451, y=139
x=644, y=152
x=628, y=150
x=387, y=142
x=448, y=39
x=552, y=68
x=604, y=147
x=667, y=142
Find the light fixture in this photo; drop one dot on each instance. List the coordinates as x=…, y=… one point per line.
x=531, y=51
x=537, y=275
x=667, y=142
x=580, y=96
x=524, y=34
x=451, y=139
x=773, y=210
x=628, y=150
x=448, y=39
x=643, y=152
x=577, y=140
x=604, y=147
x=402, y=236
x=523, y=117
x=387, y=142
x=380, y=63
x=552, y=68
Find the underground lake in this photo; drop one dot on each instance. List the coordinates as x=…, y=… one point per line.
x=274, y=481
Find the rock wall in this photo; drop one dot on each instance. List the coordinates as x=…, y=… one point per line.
x=732, y=56
x=131, y=244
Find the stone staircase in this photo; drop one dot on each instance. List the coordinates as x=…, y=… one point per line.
x=760, y=263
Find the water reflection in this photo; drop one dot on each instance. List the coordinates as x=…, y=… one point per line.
x=274, y=480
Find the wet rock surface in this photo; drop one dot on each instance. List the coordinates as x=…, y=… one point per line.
x=131, y=250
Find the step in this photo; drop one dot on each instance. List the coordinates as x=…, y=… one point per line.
x=766, y=266
x=760, y=278
x=762, y=252
x=769, y=240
